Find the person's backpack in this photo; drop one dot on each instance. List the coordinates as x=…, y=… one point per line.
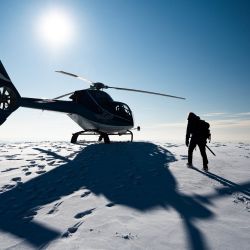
x=204, y=130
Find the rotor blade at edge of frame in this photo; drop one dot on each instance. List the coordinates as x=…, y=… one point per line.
x=66, y=73
x=146, y=92
x=74, y=75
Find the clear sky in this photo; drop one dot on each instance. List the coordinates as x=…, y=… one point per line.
x=196, y=49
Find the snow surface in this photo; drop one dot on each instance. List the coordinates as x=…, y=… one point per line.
x=140, y=195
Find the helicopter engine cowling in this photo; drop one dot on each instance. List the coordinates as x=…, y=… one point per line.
x=9, y=96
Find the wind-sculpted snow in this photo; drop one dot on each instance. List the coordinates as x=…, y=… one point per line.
x=97, y=195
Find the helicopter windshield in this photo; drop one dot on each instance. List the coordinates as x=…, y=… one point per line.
x=122, y=109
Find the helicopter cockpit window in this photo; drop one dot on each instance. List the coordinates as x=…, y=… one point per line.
x=122, y=109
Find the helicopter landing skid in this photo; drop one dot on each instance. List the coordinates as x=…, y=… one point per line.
x=104, y=136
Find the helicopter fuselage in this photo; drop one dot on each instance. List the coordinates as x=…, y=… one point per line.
x=92, y=110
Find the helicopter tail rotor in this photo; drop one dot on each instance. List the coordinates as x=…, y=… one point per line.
x=9, y=96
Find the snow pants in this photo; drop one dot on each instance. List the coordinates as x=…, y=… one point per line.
x=202, y=146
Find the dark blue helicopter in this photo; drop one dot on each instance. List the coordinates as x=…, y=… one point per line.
x=92, y=109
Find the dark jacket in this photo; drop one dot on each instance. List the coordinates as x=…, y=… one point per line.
x=194, y=129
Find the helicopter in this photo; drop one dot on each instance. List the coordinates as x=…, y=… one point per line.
x=92, y=109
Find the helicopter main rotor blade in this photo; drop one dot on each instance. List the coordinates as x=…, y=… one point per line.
x=101, y=85
x=61, y=96
x=147, y=92
x=70, y=74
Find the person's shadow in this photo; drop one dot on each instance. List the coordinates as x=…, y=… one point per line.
x=228, y=187
x=135, y=175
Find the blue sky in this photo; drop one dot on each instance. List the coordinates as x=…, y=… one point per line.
x=196, y=49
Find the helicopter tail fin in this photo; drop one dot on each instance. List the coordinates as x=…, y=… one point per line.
x=9, y=96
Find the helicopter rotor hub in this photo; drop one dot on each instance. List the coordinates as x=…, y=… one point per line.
x=98, y=86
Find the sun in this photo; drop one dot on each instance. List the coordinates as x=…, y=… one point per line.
x=56, y=28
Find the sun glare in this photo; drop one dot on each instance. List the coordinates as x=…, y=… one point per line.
x=56, y=28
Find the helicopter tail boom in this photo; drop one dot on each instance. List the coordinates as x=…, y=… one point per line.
x=48, y=104
x=9, y=96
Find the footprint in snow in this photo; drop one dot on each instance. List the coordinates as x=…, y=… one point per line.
x=40, y=171
x=32, y=165
x=85, y=194
x=82, y=214
x=55, y=208
x=242, y=199
x=41, y=166
x=111, y=204
x=71, y=230
x=128, y=236
x=16, y=179
x=8, y=186
x=51, y=163
x=31, y=161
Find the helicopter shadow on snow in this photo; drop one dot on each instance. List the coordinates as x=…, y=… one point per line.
x=135, y=175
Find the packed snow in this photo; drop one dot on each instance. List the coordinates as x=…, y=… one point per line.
x=140, y=195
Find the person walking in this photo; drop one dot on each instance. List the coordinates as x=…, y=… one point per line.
x=199, y=132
